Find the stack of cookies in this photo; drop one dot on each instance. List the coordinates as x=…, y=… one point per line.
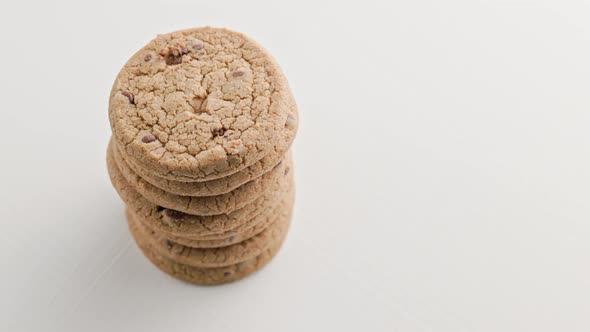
x=202, y=123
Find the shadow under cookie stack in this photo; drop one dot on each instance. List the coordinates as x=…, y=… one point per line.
x=202, y=122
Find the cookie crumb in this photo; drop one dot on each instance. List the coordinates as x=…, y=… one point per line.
x=147, y=58
x=169, y=244
x=129, y=96
x=237, y=73
x=218, y=132
x=197, y=47
x=286, y=170
x=148, y=138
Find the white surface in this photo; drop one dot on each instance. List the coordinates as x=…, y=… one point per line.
x=442, y=169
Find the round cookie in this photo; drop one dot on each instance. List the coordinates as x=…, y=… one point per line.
x=246, y=230
x=176, y=223
x=217, y=256
x=202, y=103
x=188, y=187
x=207, y=205
x=200, y=275
x=222, y=241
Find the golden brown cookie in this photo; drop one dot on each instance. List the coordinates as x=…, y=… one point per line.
x=217, y=256
x=175, y=223
x=205, y=276
x=189, y=187
x=246, y=230
x=206, y=205
x=202, y=104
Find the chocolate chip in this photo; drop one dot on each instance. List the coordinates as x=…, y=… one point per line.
x=173, y=55
x=172, y=60
x=129, y=96
x=147, y=58
x=198, y=47
x=169, y=244
x=148, y=138
x=173, y=214
x=227, y=274
x=237, y=73
x=218, y=132
x=159, y=208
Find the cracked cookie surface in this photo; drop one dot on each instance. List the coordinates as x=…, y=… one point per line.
x=201, y=103
x=189, y=187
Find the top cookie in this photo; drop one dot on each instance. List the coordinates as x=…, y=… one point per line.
x=201, y=103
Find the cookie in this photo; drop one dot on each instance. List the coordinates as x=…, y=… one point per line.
x=217, y=256
x=206, y=205
x=201, y=103
x=200, y=275
x=188, y=187
x=246, y=230
x=175, y=223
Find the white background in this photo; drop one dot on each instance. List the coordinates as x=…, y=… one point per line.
x=442, y=169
